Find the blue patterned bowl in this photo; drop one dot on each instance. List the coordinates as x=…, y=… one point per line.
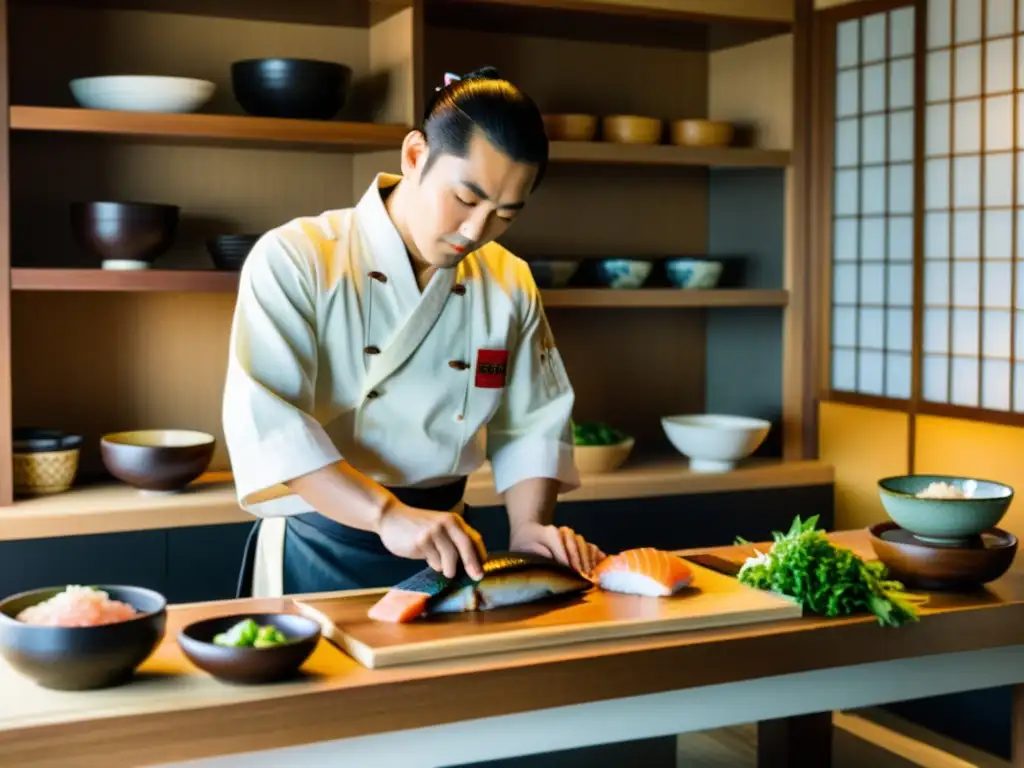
x=623, y=273
x=693, y=273
x=553, y=274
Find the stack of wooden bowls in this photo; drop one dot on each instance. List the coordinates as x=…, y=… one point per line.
x=942, y=532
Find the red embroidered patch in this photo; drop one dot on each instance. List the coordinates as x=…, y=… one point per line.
x=490, y=368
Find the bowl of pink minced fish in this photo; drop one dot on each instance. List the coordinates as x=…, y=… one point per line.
x=78, y=638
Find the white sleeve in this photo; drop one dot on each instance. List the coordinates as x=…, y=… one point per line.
x=269, y=394
x=530, y=434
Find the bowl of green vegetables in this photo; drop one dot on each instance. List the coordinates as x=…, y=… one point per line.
x=600, y=447
x=250, y=648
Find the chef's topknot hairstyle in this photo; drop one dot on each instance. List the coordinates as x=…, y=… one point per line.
x=484, y=101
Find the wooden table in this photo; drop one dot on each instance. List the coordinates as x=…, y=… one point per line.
x=782, y=675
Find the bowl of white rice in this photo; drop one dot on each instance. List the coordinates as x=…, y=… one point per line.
x=943, y=509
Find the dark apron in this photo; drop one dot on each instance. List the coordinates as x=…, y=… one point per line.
x=321, y=555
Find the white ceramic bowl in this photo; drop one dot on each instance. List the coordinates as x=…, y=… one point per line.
x=142, y=93
x=595, y=459
x=715, y=442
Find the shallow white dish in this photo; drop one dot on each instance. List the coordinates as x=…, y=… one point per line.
x=715, y=442
x=142, y=93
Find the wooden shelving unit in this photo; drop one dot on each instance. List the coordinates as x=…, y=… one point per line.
x=112, y=508
x=213, y=130
x=90, y=350
x=215, y=281
x=235, y=130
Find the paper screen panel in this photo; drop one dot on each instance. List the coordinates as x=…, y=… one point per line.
x=873, y=206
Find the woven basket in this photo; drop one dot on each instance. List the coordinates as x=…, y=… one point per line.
x=39, y=474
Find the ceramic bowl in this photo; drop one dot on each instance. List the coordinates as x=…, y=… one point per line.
x=696, y=274
x=570, y=127
x=35, y=440
x=553, y=274
x=944, y=521
x=142, y=93
x=250, y=665
x=124, y=235
x=230, y=251
x=702, y=133
x=596, y=459
x=715, y=442
x=926, y=566
x=157, y=459
x=622, y=273
x=631, y=129
x=297, y=88
x=82, y=658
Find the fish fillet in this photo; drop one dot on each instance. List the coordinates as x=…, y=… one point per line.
x=643, y=571
x=510, y=578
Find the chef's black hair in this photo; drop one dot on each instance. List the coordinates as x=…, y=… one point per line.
x=483, y=101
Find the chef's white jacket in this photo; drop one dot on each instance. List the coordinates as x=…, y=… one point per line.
x=336, y=355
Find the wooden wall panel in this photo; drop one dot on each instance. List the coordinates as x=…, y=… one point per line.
x=752, y=85
x=990, y=451
x=864, y=445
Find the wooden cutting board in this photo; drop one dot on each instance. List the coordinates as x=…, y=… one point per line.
x=713, y=600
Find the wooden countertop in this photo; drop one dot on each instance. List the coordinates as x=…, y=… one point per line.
x=211, y=500
x=143, y=722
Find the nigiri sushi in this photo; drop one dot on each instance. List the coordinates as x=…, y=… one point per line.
x=510, y=578
x=643, y=571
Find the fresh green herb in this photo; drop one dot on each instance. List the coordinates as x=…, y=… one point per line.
x=596, y=433
x=828, y=580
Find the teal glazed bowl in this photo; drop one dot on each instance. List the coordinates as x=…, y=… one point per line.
x=944, y=521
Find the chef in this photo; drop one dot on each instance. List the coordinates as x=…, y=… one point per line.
x=379, y=354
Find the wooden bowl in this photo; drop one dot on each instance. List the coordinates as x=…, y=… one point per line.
x=82, y=658
x=702, y=133
x=250, y=665
x=631, y=129
x=124, y=235
x=931, y=567
x=157, y=459
x=570, y=127
x=596, y=459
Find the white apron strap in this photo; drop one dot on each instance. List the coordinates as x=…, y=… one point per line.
x=413, y=331
x=268, y=569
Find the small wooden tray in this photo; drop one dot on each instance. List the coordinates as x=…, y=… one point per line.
x=713, y=600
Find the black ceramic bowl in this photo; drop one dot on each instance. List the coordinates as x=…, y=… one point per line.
x=34, y=440
x=250, y=665
x=116, y=231
x=297, y=88
x=82, y=658
x=230, y=251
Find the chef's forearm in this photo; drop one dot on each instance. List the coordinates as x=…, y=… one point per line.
x=343, y=494
x=531, y=501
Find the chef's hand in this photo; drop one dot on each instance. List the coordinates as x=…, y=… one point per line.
x=440, y=538
x=560, y=543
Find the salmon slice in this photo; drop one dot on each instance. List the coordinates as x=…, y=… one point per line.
x=399, y=606
x=643, y=571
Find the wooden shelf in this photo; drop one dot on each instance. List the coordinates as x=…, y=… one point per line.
x=216, y=281
x=607, y=153
x=353, y=137
x=211, y=500
x=664, y=297
x=211, y=129
x=163, y=280
x=686, y=25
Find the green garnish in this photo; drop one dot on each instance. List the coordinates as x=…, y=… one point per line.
x=596, y=433
x=249, y=634
x=828, y=580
